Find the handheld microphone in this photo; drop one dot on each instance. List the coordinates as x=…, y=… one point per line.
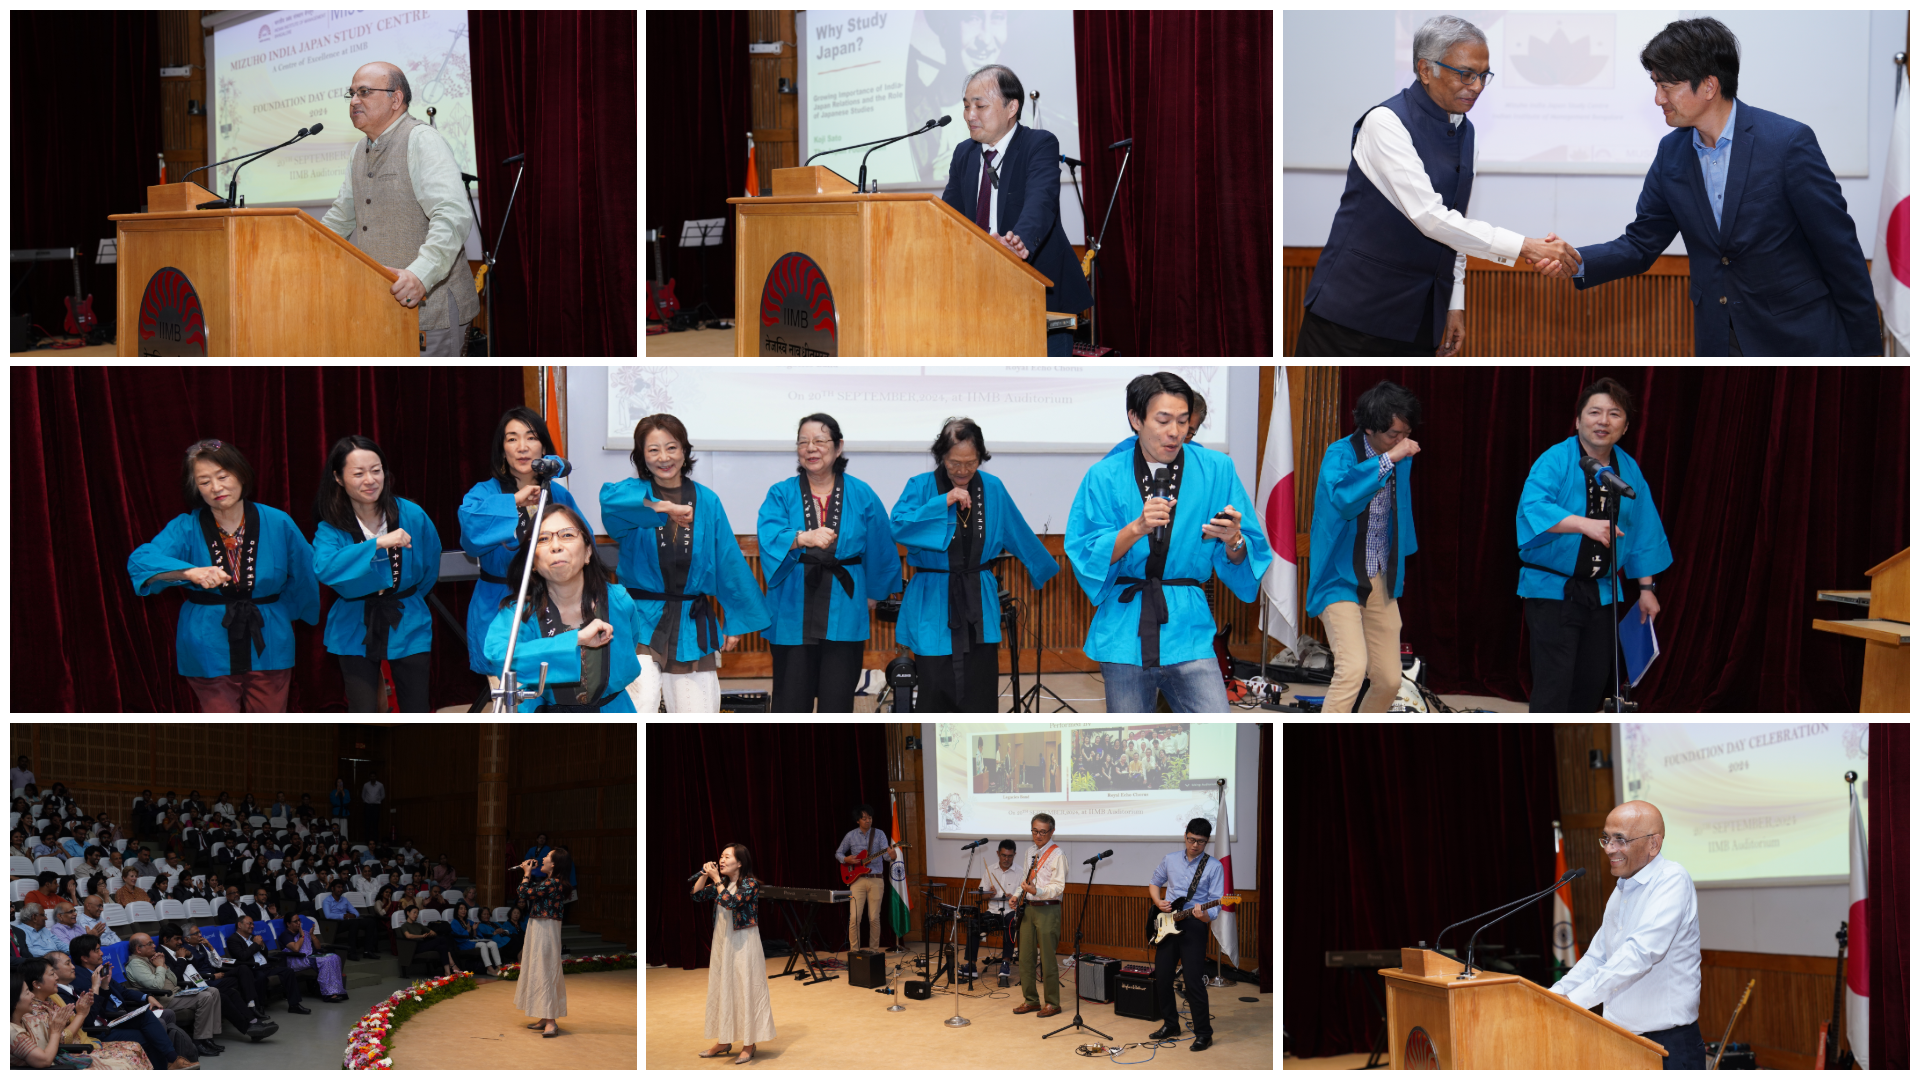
x=1128, y=141
x=514, y=158
x=1571, y=874
x=975, y=844
x=698, y=874
x=550, y=467
x=1158, y=490
x=1075, y=162
x=1605, y=476
x=1098, y=857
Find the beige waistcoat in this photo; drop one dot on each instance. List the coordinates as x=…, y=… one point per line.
x=391, y=227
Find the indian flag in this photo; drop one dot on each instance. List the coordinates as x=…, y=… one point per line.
x=899, y=907
x=1566, y=947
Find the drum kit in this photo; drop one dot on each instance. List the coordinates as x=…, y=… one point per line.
x=971, y=918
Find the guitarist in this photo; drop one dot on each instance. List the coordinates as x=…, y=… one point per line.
x=1038, y=900
x=865, y=846
x=1203, y=880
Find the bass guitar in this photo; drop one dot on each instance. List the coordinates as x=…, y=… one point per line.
x=1829, y=1055
x=852, y=872
x=1164, y=924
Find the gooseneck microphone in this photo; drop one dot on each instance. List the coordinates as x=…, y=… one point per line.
x=233, y=182
x=1570, y=875
x=862, y=183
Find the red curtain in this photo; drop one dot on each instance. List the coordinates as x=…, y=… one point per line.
x=1187, y=265
x=1889, y=893
x=96, y=454
x=697, y=61
x=559, y=86
x=1385, y=871
x=86, y=135
x=1772, y=483
x=786, y=791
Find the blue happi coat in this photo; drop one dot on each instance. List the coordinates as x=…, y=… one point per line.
x=353, y=567
x=717, y=569
x=1349, y=480
x=561, y=652
x=283, y=567
x=864, y=533
x=924, y=522
x=488, y=518
x=1556, y=487
x=1109, y=499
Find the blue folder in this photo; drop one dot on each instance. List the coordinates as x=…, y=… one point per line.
x=1639, y=644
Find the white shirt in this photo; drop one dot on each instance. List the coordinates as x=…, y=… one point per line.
x=1049, y=881
x=1645, y=961
x=1007, y=881
x=1386, y=155
x=373, y=791
x=999, y=166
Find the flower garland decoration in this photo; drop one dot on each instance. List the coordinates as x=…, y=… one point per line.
x=580, y=965
x=369, y=1044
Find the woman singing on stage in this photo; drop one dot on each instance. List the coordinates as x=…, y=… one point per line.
x=738, y=1007
x=543, y=991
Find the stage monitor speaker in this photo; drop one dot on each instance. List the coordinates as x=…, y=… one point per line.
x=919, y=989
x=1097, y=975
x=736, y=701
x=867, y=967
x=1133, y=997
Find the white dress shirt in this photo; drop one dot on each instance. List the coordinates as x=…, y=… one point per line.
x=1386, y=155
x=999, y=167
x=1050, y=880
x=1645, y=961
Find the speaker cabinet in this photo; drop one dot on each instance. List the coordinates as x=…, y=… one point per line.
x=867, y=968
x=1134, y=997
x=1097, y=974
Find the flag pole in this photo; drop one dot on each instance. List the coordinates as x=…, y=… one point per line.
x=1216, y=979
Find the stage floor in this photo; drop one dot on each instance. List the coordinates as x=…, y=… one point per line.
x=834, y=1025
x=481, y=1029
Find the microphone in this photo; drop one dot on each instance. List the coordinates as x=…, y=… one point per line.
x=975, y=844
x=1605, y=476
x=233, y=184
x=861, y=185
x=1158, y=490
x=696, y=874
x=1571, y=874
x=514, y=158
x=550, y=467
x=1098, y=857
x=1128, y=141
x=1075, y=162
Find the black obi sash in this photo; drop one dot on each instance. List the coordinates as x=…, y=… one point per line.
x=675, y=548
x=823, y=567
x=243, y=621
x=1153, y=604
x=966, y=621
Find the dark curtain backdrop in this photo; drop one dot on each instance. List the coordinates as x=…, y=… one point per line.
x=1187, y=262
x=84, y=144
x=697, y=82
x=103, y=448
x=786, y=791
x=1266, y=857
x=1889, y=895
x=1772, y=483
x=1396, y=831
x=560, y=86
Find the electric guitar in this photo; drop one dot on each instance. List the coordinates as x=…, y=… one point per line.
x=662, y=304
x=1829, y=1055
x=80, y=316
x=1164, y=924
x=1747, y=993
x=1020, y=905
x=851, y=872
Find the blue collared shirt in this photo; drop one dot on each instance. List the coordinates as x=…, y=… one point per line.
x=1176, y=870
x=42, y=941
x=1714, y=160
x=338, y=907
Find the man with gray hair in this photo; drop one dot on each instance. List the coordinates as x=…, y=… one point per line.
x=1391, y=280
x=402, y=203
x=1006, y=179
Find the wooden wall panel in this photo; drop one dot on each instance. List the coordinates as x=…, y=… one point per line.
x=775, y=116
x=578, y=783
x=183, y=138
x=1117, y=916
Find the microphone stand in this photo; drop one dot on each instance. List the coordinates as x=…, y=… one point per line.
x=1468, y=972
x=1079, y=924
x=233, y=182
x=508, y=697
x=1093, y=283
x=489, y=258
x=956, y=1020
x=1613, y=575
x=862, y=185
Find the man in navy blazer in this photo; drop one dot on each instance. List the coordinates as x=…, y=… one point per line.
x=1021, y=206
x=1775, y=259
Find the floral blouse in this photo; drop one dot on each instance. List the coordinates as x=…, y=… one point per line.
x=543, y=899
x=745, y=904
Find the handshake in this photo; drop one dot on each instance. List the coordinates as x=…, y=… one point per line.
x=1553, y=256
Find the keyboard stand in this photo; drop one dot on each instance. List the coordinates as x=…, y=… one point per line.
x=802, y=930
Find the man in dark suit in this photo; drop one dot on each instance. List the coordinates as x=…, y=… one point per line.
x=257, y=963
x=1775, y=259
x=1006, y=179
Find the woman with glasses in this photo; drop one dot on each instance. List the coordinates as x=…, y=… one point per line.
x=678, y=554
x=246, y=573
x=828, y=554
x=577, y=622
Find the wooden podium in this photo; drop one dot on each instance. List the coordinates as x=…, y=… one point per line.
x=1885, y=678
x=877, y=275
x=1436, y=1021
x=270, y=282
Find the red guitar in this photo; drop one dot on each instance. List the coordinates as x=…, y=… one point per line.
x=80, y=316
x=851, y=872
x=662, y=304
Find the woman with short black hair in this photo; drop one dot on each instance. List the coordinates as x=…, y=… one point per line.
x=247, y=574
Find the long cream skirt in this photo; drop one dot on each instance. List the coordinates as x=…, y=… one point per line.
x=739, y=1009
x=542, y=991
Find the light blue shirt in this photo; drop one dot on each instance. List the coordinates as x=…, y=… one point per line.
x=1176, y=870
x=338, y=907
x=1714, y=160
x=1645, y=961
x=42, y=941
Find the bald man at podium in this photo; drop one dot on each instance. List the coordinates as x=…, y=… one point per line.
x=1644, y=964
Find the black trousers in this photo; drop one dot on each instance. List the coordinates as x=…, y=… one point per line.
x=1322, y=337
x=826, y=674
x=1683, y=1045
x=362, y=677
x=253, y=982
x=368, y=931
x=1189, y=947
x=982, y=689
x=1573, y=642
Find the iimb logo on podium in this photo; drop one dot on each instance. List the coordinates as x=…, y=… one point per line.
x=797, y=316
x=171, y=322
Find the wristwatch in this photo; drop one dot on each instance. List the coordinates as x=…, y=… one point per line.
x=1647, y=586
x=1239, y=544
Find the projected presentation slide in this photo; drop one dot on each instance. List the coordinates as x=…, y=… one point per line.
x=288, y=70
x=757, y=407
x=1749, y=803
x=1101, y=780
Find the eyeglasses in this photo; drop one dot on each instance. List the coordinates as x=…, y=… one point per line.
x=568, y=535
x=1484, y=78
x=808, y=444
x=1608, y=842
x=361, y=92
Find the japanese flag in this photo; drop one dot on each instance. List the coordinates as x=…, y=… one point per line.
x=1892, y=263
x=1857, y=932
x=1280, y=587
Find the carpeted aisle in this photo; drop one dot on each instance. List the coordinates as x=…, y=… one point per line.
x=483, y=1030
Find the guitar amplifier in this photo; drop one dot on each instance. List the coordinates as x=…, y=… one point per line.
x=919, y=989
x=1097, y=974
x=1134, y=997
x=746, y=701
x=867, y=968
